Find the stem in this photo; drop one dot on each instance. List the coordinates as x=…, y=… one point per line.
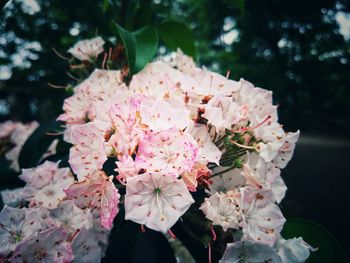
x=223, y=171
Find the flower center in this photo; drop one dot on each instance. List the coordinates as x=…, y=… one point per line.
x=157, y=190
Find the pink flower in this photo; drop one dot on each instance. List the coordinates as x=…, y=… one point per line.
x=171, y=151
x=156, y=200
x=18, y=137
x=45, y=184
x=87, y=49
x=96, y=191
x=198, y=174
x=91, y=95
x=7, y=127
x=223, y=112
x=43, y=174
x=126, y=168
x=88, y=153
x=207, y=150
x=161, y=115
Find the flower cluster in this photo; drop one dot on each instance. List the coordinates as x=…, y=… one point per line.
x=174, y=129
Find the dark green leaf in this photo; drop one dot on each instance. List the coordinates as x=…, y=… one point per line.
x=128, y=41
x=146, y=40
x=140, y=46
x=177, y=35
x=316, y=235
x=37, y=144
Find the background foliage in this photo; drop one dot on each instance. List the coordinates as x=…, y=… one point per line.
x=294, y=48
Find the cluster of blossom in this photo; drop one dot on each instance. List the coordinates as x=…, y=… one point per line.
x=13, y=135
x=173, y=130
x=52, y=228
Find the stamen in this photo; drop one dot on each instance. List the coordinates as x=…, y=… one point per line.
x=72, y=77
x=171, y=234
x=56, y=86
x=59, y=55
x=243, y=146
x=54, y=133
x=143, y=230
x=213, y=232
x=209, y=253
x=104, y=60
x=228, y=74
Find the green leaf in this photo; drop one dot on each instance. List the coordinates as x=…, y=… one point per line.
x=140, y=46
x=177, y=35
x=329, y=250
x=37, y=144
x=146, y=40
x=128, y=41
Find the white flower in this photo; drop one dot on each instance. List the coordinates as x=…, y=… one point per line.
x=262, y=218
x=207, y=150
x=18, y=225
x=86, y=248
x=156, y=200
x=261, y=174
x=18, y=137
x=285, y=153
x=72, y=217
x=223, y=112
x=249, y=252
x=294, y=250
x=227, y=181
x=48, y=246
x=222, y=210
x=86, y=49
x=12, y=197
x=160, y=115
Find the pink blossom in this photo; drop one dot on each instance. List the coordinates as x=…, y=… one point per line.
x=198, y=173
x=87, y=49
x=96, y=191
x=126, y=168
x=18, y=137
x=161, y=115
x=169, y=151
x=156, y=200
x=207, y=150
x=88, y=153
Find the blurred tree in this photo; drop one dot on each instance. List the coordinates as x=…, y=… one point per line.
x=292, y=47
